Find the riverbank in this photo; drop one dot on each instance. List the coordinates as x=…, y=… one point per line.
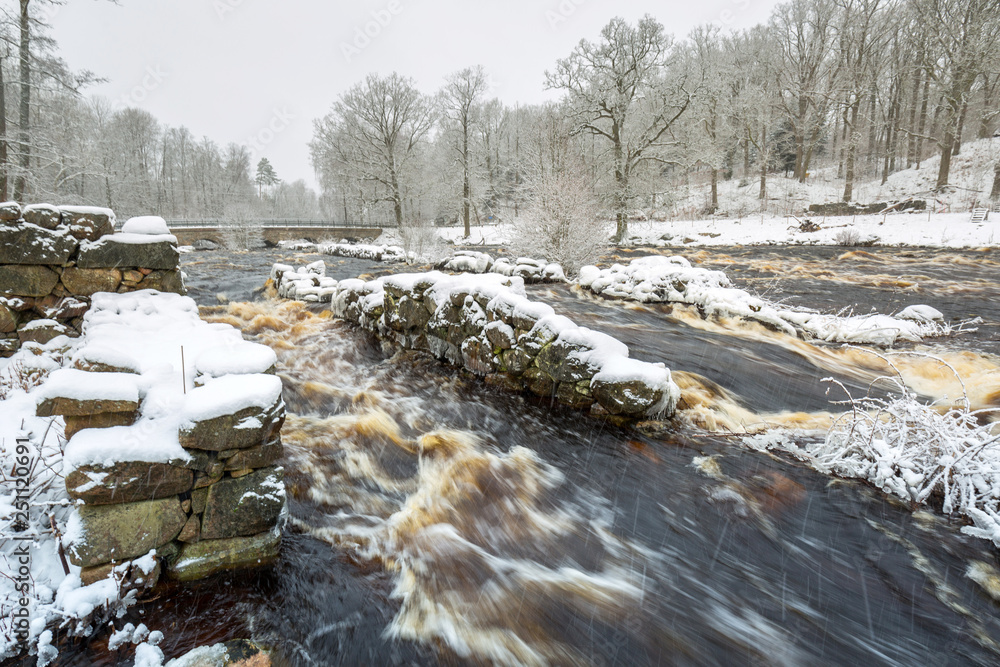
x=920, y=229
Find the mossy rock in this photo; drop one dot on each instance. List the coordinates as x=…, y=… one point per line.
x=207, y=557
x=127, y=482
x=123, y=532
x=244, y=506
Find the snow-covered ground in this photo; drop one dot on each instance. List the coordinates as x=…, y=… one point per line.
x=741, y=220
x=937, y=230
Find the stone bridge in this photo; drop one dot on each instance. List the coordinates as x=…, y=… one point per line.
x=189, y=231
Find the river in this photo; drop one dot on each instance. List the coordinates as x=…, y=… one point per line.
x=434, y=520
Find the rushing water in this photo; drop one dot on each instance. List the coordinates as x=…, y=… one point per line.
x=437, y=521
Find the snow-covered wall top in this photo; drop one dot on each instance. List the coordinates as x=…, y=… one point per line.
x=658, y=279
x=486, y=323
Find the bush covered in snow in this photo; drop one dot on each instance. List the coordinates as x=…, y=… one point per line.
x=919, y=452
x=562, y=223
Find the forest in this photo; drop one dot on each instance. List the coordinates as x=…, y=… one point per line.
x=861, y=87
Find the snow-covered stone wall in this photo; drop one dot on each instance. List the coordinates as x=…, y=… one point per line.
x=486, y=324
x=54, y=259
x=173, y=429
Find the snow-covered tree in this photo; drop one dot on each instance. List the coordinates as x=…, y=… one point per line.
x=624, y=89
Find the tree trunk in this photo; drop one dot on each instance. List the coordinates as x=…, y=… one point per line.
x=762, y=156
x=957, y=144
x=4, y=169
x=621, y=183
x=988, y=113
x=852, y=149
x=715, y=191
x=746, y=159
x=911, y=142
x=995, y=193
x=397, y=200
x=919, y=155
x=466, y=187
x=947, y=141
x=20, y=183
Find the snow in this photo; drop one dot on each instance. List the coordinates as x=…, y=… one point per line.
x=921, y=313
x=658, y=279
x=80, y=601
x=148, y=440
x=150, y=225
x=229, y=394
x=132, y=238
x=89, y=210
x=239, y=358
x=82, y=386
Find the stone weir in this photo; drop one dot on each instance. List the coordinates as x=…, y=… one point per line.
x=53, y=259
x=173, y=428
x=486, y=324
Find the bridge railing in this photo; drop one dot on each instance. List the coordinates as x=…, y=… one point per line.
x=283, y=223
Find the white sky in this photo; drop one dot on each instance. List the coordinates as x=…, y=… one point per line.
x=259, y=71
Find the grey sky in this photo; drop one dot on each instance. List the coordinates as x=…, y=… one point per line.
x=259, y=71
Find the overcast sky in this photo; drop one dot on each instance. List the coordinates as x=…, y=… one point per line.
x=259, y=71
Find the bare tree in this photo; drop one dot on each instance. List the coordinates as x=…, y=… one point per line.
x=964, y=34
x=862, y=40
x=621, y=90
x=804, y=31
x=459, y=102
x=376, y=127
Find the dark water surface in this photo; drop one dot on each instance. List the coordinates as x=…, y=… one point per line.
x=525, y=533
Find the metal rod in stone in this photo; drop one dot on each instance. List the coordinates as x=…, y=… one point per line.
x=184, y=382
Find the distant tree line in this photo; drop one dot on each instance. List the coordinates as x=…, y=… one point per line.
x=867, y=87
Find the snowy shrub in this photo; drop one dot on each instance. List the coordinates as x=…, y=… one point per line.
x=242, y=228
x=851, y=237
x=562, y=224
x=920, y=452
x=421, y=242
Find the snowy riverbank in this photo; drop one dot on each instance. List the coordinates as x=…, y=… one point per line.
x=935, y=230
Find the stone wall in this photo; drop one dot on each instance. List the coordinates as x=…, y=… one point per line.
x=486, y=324
x=173, y=429
x=53, y=259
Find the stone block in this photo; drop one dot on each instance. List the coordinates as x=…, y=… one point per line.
x=86, y=282
x=256, y=457
x=33, y=245
x=42, y=215
x=244, y=506
x=122, y=532
x=111, y=253
x=27, y=280
x=76, y=423
x=247, y=428
x=127, y=482
x=207, y=557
